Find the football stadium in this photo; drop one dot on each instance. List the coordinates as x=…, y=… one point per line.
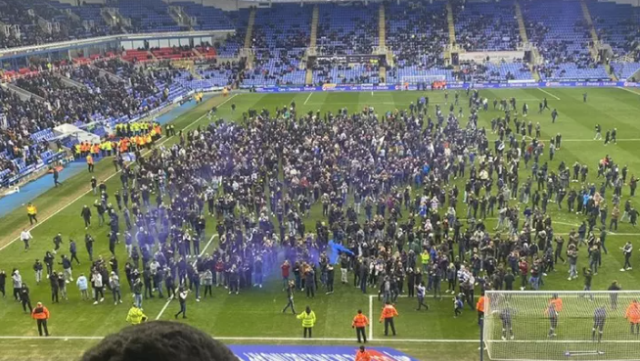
x=319, y=180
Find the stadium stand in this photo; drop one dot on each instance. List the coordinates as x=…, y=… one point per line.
x=78, y=90
x=486, y=26
x=559, y=30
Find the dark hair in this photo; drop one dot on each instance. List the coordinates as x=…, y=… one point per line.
x=159, y=341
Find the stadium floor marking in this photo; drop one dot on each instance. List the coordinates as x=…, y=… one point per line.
x=308, y=97
x=546, y=92
x=106, y=179
x=194, y=263
x=629, y=90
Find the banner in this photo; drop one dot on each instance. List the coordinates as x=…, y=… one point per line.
x=454, y=85
x=314, y=353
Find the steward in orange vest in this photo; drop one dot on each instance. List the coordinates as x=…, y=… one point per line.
x=360, y=322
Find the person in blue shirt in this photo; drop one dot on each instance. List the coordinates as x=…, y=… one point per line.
x=83, y=286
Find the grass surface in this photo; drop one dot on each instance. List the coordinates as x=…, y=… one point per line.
x=256, y=312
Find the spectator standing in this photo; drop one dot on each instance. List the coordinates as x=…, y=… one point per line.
x=83, y=286
x=182, y=297
x=26, y=236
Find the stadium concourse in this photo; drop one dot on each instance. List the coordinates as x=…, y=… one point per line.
x=339, y=201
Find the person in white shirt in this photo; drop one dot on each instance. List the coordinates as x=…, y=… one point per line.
x=26, y=236
x=98, y=287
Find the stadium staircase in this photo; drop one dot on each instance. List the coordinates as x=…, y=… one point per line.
x=313, y=41
x=452, y=32
x=592, y=29
x=149, y=53
x=248, y=39
x=70, y=82
x=525, y=38
x=594, y=38
x=451, y=23
x=382, y=41
x=181, y=18
x=24, y=95
x=108, y=74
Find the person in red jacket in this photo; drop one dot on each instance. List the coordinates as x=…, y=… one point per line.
x=388, y=313
x=41, y=315
x=286, y=268
x=524, y=271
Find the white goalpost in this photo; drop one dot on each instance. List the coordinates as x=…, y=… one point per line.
x=562, y=325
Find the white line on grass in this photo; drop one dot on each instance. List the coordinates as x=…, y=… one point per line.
x=308, y=97
x=106, y=179
x=629, y=90
x=546, y=92
x=371, y=318
x=194, y=263
x=335, y=339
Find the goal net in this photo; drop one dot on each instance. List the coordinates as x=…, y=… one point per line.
x=562, y=325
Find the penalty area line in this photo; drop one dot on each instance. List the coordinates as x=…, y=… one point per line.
x=256, y=338
x=546, y=92
x=194, y=263
x=332, y=339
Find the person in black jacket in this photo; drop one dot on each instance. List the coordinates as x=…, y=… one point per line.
x=330, y=279
x=25, y=299
x=86, y=215
x=3, y=282
x=48, y=261
x=53, y=280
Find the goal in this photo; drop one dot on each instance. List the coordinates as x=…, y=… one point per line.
x=424, y=81
x=521, y=325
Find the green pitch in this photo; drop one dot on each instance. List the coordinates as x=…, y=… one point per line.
x=254, y=316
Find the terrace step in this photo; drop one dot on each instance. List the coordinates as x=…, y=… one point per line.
x=382, y=41
x=592, y=29
x=521, y=25
x=451, y=24
x=313, y=40
x=249, y=35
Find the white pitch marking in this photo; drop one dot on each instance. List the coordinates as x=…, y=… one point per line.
x=629, y=90
x=194, y=263
x=546, y=92
x=331, y=339
x=308, y=97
